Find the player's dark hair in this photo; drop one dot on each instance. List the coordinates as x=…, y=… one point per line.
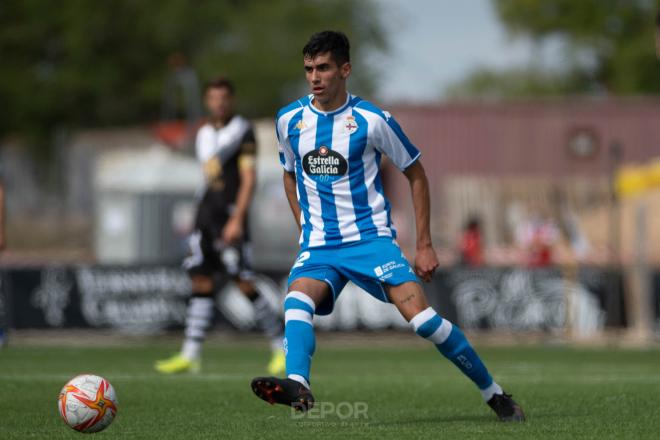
x=334, y=42
x=472, y=223
x=220, y=82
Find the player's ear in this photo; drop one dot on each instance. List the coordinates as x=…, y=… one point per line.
x=345, y=70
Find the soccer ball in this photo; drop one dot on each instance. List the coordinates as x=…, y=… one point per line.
x=87, y=403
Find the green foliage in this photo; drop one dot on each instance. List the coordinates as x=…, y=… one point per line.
x=82, y=63
x=608, y=46
x=522, y=82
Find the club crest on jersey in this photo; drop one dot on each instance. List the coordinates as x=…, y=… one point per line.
x=350, y=125
x=324, y=165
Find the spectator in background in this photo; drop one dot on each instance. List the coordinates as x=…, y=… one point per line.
x=537, y=237
x=471, y=252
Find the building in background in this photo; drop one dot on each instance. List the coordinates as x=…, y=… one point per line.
x=501, y=160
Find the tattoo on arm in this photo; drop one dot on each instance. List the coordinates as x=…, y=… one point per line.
x=408, y=298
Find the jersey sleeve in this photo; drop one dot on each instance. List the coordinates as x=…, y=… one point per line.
x=201, y=145
x=210, y=142
x=283, y=146
x=393, y=142
x=248, y=150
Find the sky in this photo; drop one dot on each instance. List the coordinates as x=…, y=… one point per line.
x=434, y=43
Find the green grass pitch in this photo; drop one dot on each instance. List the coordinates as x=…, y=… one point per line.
x=410, y=391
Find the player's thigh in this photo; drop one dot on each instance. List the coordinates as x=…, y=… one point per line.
x=315, y=274
x=202, y=263
x=246, y=286
x=202, y=284
x=315, y=289
x=408, y=298
x=379, y=266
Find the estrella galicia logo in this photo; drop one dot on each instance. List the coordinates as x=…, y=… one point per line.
x=324, y=165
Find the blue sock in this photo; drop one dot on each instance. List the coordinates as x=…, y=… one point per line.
x=299, y=342
x=453, y=344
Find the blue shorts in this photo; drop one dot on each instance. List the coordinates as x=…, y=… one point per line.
x=368, y=263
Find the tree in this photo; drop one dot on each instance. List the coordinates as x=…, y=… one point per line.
x=81, y=63
x=607, y=47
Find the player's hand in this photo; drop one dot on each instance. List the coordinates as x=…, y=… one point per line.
x=426, y=262
x=233, y=231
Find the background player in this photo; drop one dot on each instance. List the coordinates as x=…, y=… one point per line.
x=331, y=144
x=220, y=245
x=3, y=313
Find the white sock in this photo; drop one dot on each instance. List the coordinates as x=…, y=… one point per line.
x=276, y=344
x=298, y=378
x=191, y=349
x=198, y=319
x=489, y=392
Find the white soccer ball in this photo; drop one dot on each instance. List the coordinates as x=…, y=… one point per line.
x=87, y=403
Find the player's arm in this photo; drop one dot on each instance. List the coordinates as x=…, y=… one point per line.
x=426, y=261
x=233, y=229
x=289, y=179
x=391, y=140
x=287, y=161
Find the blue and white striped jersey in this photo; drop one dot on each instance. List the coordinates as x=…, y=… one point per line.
x=336, y=158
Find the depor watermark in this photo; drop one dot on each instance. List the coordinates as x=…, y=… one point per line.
x=325, y=411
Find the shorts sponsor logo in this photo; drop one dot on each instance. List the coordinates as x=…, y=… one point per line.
x=385, y=271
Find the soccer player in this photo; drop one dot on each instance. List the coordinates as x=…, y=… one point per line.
x=3, y=312
x=2, y=212
x=220, y=244
x=331, y=145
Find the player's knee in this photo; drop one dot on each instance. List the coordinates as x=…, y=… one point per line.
x=415, y=309
x=298, y=307
x=201, y=285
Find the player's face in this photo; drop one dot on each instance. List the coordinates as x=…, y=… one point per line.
x=219, y=103
x=326, y=79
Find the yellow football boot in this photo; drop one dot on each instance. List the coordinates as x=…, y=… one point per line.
x=277, y=364
x=178, y=364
